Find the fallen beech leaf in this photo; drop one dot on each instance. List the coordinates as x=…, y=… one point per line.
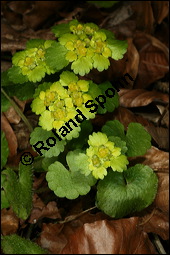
x=160, y=10
x=34, y=18
x=153, y=63
x=109, y=237
x=156, y=222
x=162, y=197
x=10, y=136
x=144, y=15
x=158, y=160
x=9, y=222
x=132, y=63
x=40, y=210
x=160, y=136
x=140, y=97
x=54, y=237
x=125, y=116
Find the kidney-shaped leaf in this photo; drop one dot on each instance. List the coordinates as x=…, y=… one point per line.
x=68, y=184
x=120, y=194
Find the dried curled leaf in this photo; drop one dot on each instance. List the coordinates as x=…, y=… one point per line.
x=109, y=237
x=140, y=97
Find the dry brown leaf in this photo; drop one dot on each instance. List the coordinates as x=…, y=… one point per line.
x=9, y=222
x=160, y=135
x=54, y=237
x=156, y=222
x=110, y=237
x=132, y=62
x=10, y=136
x=143, y=15
x=160, y=10
x=140, y=97
x=153, y=64
x=156, y=159
x=40, y=210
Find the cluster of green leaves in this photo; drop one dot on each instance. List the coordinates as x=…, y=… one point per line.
x=118, y=194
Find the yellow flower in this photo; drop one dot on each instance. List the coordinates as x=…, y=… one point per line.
x=102, y=154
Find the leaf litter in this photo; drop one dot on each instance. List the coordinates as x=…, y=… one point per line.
x=146, y=61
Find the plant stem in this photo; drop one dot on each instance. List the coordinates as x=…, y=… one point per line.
x=17, y=109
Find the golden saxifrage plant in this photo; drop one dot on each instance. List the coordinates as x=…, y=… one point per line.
x=74, y=156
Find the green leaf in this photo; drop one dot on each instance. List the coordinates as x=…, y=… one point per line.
x=5, y=79
x=100, y=63
x=82, y=65
x=55, y=56
x=34, y=43
x=119, y=143
x=46, y=143
x=4, y=149
x=18, y=190
x=5, y=104
x=42, y=87
x=60, y=29
x=4, y=200
x=78, y=161
x=137, y=139
x=111, y=102
x=67, y=77
x=121, y=194
x=114, y=128
x=78, y=143
x=69, y=184
x=14, y=244
x=15, y=75
x=24, y=92
x=46, y=162
x=117, y=47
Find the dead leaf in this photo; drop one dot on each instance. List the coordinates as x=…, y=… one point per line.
x=160, y=10
x=143, y=15
x=140, y=97
x=10, y=136
x=160, y=135
x=132, y=63
x=153, y=63
x=40, y=210
x=156, y=222
x=54, y=237
x=109, y=237
x=9, y=222
x=157, y=159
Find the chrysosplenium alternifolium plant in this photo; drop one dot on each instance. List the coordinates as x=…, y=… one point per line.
x=75, y=155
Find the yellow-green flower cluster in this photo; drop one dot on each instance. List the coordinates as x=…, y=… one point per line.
x=60, y=102
x=102, y=154
x=87, y=47
x=32, y=62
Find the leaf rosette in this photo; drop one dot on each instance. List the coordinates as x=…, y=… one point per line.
x=60, y=102
x=30, y=64
x=85, y=46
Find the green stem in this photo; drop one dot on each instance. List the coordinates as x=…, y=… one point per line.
x=17, y=109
